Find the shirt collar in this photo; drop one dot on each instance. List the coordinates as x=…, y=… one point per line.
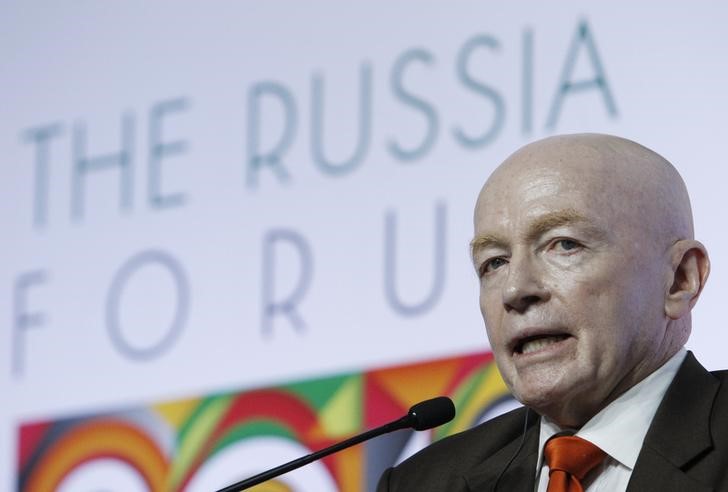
x=620, y=427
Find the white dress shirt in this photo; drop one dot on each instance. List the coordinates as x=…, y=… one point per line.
x=618, y=430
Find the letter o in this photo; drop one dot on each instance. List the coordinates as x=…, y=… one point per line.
x=134, y=264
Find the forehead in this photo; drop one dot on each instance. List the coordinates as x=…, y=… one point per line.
x=528, y=192
x=527, y=199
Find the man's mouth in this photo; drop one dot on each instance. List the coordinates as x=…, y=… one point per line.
x=535, y=343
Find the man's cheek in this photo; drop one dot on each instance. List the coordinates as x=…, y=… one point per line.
x=494, y=333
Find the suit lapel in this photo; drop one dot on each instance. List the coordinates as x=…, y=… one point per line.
x=520, y=475
x=670, y=444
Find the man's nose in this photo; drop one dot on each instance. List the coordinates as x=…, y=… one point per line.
x=524, y=285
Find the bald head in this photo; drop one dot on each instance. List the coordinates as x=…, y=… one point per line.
x=588, y=270
x=629, y=181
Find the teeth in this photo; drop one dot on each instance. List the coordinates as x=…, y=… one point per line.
x=539, y=343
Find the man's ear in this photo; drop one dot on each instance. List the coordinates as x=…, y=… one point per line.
x=690, y=269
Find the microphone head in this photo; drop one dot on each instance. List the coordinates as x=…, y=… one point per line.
x=431, y=413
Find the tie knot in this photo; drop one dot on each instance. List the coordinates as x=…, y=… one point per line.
x=573, y=455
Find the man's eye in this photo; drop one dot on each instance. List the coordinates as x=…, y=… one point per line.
x=566, y=244
x=492, y=264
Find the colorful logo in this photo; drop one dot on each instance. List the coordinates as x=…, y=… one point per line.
x=202, y=444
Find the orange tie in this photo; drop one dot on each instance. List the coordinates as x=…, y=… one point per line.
x=569, y=459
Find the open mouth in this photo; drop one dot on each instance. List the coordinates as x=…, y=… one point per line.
x=538, y=342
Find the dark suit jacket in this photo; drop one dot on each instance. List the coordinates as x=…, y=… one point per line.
x=685, y=449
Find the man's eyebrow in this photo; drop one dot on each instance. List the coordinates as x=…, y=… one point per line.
x=552, y=220
x=483, y=241
x=540, y=226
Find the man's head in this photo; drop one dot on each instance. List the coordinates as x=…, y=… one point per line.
x=588, y=270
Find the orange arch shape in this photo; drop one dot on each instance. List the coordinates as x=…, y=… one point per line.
x=100, y=439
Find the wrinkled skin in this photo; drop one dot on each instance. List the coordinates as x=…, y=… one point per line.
x=588, y=270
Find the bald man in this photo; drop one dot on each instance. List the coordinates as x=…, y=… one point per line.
x=588, y=272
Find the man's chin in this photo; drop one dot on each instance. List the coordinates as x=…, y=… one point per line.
x=536, y=402
x=562, y=407
x=543, y=399
x=540, y=384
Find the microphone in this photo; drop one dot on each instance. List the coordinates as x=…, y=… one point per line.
x=422, y=416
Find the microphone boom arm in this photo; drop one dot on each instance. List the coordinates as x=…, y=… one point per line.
x=424, y=415
x=401, y=423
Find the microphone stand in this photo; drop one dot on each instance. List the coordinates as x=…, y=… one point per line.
x=402, y=423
